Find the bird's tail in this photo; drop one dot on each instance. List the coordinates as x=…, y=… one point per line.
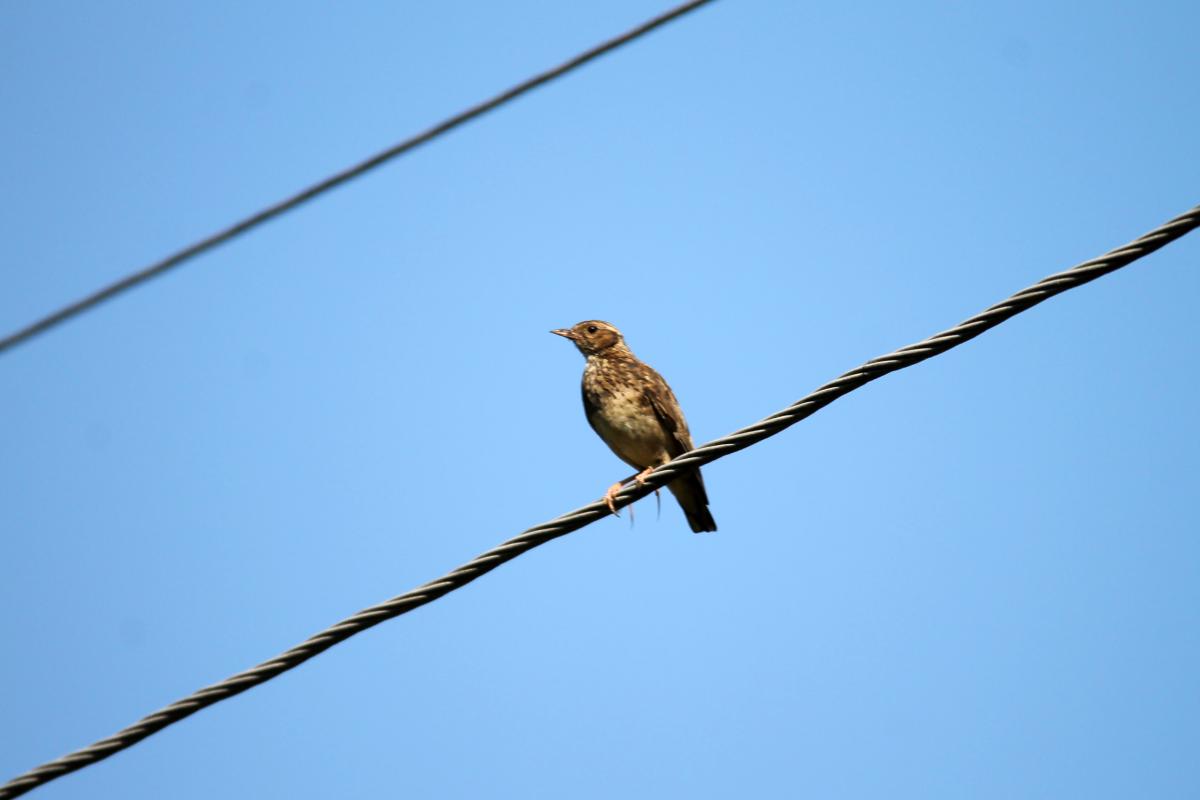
x=689, y=491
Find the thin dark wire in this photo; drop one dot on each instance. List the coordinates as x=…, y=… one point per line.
x=238, y=228
x=573, y=521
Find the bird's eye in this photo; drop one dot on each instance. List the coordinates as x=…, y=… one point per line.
x=591, y=328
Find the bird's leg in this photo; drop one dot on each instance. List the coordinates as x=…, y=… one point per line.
x=640, y=479
x=610, y=494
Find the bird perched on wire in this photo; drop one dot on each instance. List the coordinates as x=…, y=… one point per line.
x=636, y=414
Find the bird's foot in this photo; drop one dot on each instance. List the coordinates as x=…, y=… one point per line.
x=612, y=493
x=640, y=479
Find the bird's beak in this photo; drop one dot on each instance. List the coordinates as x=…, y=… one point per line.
x=564, y=332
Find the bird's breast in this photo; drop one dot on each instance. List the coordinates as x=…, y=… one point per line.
x=617, y=409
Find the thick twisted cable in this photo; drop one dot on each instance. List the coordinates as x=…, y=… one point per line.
x=573, y=521
x=299, y=198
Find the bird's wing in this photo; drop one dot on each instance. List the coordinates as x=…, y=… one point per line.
x=590, y=409
x=679, y=440
x=670, y=416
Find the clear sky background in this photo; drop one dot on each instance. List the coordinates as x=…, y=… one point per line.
x=979, y=577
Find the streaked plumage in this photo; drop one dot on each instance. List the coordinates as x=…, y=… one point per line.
x=635, y=412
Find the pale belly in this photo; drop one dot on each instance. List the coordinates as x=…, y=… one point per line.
x=632, y=431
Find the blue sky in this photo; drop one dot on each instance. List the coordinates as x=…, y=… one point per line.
x=978, y=577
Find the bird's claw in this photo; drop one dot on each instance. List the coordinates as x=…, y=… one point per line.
x=609, y=498
x=614, y=490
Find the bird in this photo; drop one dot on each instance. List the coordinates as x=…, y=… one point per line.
x=634, y=411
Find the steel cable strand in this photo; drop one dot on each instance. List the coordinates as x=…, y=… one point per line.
x=540, y=534
x=281, y=207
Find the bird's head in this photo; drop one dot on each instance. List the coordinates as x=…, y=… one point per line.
x=593, y=337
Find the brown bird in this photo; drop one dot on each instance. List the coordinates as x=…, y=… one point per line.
x=636, y=414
